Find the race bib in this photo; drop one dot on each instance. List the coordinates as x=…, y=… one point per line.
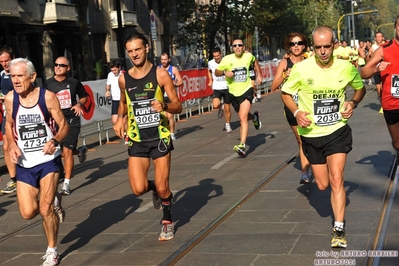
x=395, y=86
x=33, y=137
x=326, y=112
x=64, y=97
x=240, y=74
x=145, y=115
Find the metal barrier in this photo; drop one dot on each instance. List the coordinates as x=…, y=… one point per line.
x=90, y=129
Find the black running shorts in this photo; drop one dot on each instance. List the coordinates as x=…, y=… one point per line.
x=236, y=101
x=150, y=149
x=391, y=116
x=317, y=149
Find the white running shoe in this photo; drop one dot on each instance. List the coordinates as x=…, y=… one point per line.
x=51, y=259
x=228, y=128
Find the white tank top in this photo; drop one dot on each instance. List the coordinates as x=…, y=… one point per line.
x=33, y=127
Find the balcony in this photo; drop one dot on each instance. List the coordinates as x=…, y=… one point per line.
x=9, y=8
x=129, y=19
x=59, y=12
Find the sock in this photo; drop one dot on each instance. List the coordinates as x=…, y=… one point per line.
x=52, y=250
x=151, y=185
x=242, y=144
x=339, y=225
x=67, y=181
x=167, y=208
x=14, y=179
x=227, y=124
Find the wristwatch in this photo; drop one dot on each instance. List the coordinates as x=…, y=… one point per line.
x=55, y=142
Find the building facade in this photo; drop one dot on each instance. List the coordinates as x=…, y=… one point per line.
x=42, y=30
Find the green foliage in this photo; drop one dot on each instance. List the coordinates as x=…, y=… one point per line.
x=201, y=24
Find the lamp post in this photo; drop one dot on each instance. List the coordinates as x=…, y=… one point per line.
x=353, y=3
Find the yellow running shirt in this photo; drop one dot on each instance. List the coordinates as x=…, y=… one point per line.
x=241, y=81
x=322, y=93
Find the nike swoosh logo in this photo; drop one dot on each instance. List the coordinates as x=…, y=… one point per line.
x=130, y=89
x=341, y=80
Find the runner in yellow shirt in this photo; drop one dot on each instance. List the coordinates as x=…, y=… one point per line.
x=322, y=115
x=236, y=68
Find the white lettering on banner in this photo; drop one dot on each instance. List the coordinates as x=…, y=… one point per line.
x=193, y=84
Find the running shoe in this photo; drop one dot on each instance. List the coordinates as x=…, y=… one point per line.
x=167, y=232
x=172, y=136
x=65, y=190
x=59, y=211
x=156, y=201
x=51, y=259
x=257, y=123
x=338, y=238
x=240, y=149
x=228, y=129
x=10, y=188
x=82, y=154
x=220, y=112
x=306, y=178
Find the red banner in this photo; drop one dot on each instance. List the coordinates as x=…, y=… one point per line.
x=195, y=84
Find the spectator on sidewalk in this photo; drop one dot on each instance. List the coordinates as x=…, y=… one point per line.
x=67, y=89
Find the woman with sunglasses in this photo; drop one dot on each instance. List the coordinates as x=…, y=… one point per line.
x=295, y=45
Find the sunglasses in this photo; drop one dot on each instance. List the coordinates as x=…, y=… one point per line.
x=60, y=65
x=323, y=46
x=296, y=43
x=238, y=45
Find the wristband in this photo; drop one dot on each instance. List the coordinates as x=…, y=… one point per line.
x=119, y=115
x=165, y=106
x=81, y=104
x=55, y=142
x=355, y=103
x=296, y=112
x=224, y=72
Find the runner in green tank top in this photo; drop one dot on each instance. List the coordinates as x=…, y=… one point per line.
x=142, y=89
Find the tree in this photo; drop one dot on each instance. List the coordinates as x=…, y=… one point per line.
x=87, y=61
x=202, y=25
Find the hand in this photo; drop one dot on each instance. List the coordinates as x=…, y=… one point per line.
x=49, y=147
x=157, y=106
x=107, y=94
x=302, y=120
x=348, y=110
x=77, y=109
x=383, y=65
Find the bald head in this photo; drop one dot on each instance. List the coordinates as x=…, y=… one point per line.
x=324, y=32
